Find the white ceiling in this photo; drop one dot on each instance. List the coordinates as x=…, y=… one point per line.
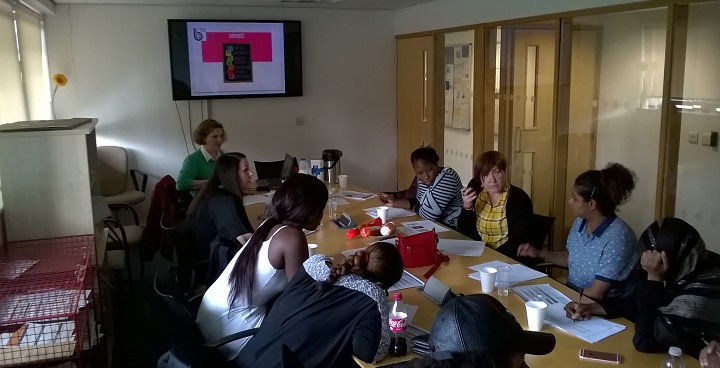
x=343, y=4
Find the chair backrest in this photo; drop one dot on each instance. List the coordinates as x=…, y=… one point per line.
x=541, y=228
x=269, y=169
x=180, y=311
x=112, y=168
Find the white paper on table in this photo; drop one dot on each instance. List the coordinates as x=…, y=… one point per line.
x=407, y=281
x=392, y=212
x=469, y=248
x=518, y=272
x=591, y=330
x=422, y=226
x=340, y=201
x=357, y=196
x=550, y=294
x=257, y=198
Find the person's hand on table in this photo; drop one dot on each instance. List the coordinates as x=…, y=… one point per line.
x=527, y=250
x=469, y=196
x=582, y=311
x=710, y=356
x=385, y=198
x=655, y=263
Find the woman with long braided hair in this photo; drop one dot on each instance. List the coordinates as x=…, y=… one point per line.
x=329, y=313
x=265, y=264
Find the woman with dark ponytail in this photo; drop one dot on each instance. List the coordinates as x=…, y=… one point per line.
x=263, y=267
x=600, y=246
x=329, y=313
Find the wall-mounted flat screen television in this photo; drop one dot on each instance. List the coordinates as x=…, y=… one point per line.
x=234, y=58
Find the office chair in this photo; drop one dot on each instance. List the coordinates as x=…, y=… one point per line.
x=112, y=169
x=268, y=169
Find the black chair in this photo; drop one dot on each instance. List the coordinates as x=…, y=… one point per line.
x=189, y=347
x=541, y=229
x=268, y=169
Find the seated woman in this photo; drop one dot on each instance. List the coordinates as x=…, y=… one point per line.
x=678, y=302
x=600, y=246
x=494, y=211
x=438, y=189
x=216, y=217
x=329, y=313
x=198, y=166
x=265, y=264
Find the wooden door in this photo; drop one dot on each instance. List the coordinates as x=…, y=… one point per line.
x=415, y=113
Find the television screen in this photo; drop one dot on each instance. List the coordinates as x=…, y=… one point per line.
x=234, y=59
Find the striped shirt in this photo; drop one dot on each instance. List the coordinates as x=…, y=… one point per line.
x=442, y=200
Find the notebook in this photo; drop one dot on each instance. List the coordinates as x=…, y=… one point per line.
x=36, y=125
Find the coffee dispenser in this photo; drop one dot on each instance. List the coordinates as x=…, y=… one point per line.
x=331, y=165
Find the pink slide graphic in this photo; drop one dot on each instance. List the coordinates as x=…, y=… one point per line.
x=260, y=43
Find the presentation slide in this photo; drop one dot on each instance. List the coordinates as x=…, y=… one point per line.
x=232, y=58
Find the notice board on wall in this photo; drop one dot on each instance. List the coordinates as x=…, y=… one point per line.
x=458, y=71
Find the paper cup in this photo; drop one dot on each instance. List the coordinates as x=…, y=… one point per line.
x=342, y=180
x=312, y=249
x=487, y=279
x=382, y=212
x=535, y=314
x=503, y=280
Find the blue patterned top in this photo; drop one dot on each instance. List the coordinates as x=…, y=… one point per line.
x=442, y=200
x=608, y=254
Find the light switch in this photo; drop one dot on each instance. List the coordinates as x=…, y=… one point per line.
x=692, y=137
x=709, y=139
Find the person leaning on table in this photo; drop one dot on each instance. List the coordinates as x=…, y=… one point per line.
x=678, y=303
x=600, y=246
x=438, y=189
x=328, y=313
x=198, y=166
x=494, y=211
x=478, y=331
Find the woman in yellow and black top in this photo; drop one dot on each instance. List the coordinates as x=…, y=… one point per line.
x=494, y=211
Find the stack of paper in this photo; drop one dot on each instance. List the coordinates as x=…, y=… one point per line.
x=591, y=330
x=518, y=272
x=407, y=281
x=415, y=227
x=357, y=196
x=392, y=212
x=469, y=248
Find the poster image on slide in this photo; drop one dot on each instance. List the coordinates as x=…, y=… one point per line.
x=238, y=63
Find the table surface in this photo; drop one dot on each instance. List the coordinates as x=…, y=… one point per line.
x=331, y=241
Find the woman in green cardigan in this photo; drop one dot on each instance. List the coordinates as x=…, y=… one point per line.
x=198, y=166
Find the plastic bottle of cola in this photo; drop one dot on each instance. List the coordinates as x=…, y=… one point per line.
x=398, y=319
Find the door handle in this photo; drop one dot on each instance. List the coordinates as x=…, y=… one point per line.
x=518, y=139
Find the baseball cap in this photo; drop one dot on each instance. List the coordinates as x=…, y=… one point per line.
x=478, y=323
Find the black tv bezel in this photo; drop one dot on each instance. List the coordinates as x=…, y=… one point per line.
x=180, y=64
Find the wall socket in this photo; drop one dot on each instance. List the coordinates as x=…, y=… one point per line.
x=709, y=139
x=692, y=137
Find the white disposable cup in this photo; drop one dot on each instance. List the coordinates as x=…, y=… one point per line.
x=503, y=280
x=342, y=180
x=382, y=212
x=487, y=279
x=312, y=249
x=332, y=207
x=535, y=314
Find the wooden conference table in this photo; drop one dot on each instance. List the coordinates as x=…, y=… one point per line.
x=331, y=241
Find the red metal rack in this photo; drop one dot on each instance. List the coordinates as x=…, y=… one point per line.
x=46, y=288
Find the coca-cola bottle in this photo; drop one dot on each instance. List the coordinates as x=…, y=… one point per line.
x=398, y=319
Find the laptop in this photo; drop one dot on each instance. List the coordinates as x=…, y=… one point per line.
x=274, y=183
x=40, y=125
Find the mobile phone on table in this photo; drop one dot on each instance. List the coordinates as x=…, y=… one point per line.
x=600, y=356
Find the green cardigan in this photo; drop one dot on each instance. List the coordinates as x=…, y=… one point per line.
x=195, y=167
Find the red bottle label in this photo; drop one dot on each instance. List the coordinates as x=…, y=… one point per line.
x=398, y=324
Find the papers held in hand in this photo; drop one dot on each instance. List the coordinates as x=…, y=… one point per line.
x=436, y=291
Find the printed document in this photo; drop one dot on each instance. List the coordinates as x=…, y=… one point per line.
x=518, y=272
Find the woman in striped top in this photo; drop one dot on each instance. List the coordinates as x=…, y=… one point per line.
x=438, y=195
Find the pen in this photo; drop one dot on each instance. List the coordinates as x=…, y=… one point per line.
x=579, y=300
x=707, y=343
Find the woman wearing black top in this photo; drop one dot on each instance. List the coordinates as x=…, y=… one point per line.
x=216, y=216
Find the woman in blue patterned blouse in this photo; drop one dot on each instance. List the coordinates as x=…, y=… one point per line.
x=600, y=246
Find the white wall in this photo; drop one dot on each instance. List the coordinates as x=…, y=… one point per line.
x=453, y=13
x=459, y=143
x=626, y=133
x=117, y=61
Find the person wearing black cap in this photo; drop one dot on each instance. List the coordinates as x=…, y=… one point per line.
x=478, y=331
